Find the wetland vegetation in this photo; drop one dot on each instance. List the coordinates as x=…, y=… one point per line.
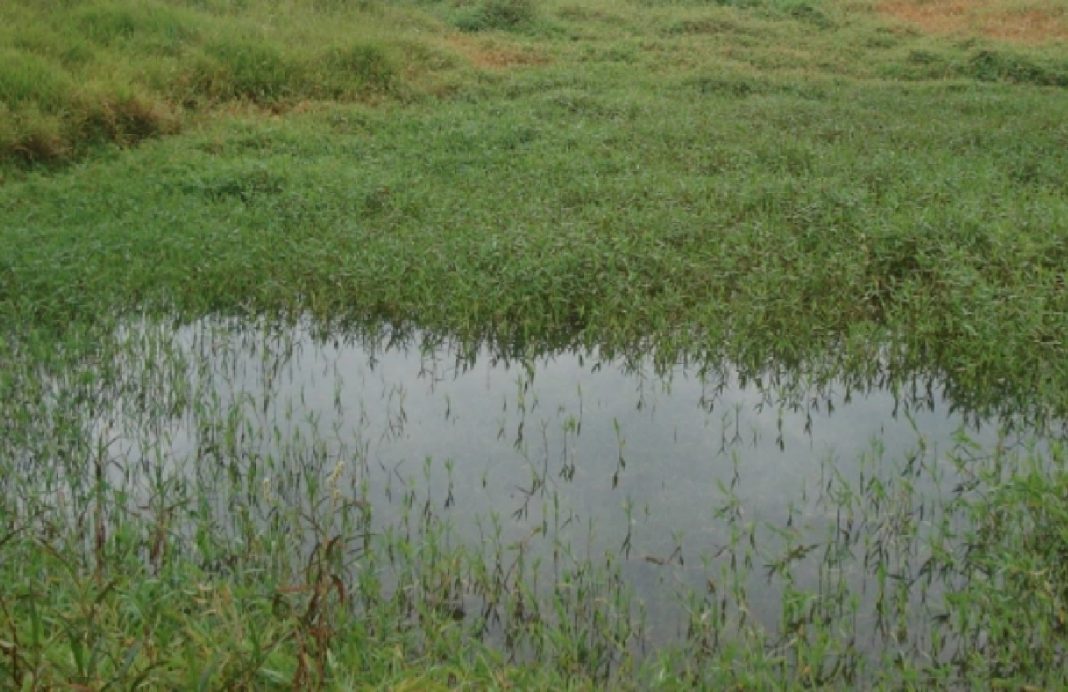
x=520, y=343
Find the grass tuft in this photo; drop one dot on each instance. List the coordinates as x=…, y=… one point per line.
x=111, y=71
x=503, y=15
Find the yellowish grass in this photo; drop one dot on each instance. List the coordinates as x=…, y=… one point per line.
x=1033, y=22
x=493, y=53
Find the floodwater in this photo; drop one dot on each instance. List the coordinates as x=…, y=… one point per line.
x=607, y=457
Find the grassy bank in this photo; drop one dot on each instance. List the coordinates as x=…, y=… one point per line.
x=79, y=74
x=843, y=187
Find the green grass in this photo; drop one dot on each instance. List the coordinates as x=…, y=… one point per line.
x=772, y=181
x=77, y=74
x=582, y=211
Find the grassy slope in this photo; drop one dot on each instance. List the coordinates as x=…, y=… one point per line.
x=74, y=74
x=786, y=175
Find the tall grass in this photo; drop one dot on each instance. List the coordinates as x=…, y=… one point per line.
x=82, y=73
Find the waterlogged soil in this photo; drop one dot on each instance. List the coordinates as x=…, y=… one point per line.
x=553, y=456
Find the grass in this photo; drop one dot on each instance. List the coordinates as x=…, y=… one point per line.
x=79, y=74
x=819, y=185
x=1018, y=22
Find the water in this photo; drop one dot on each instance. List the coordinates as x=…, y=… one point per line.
x=657, y=471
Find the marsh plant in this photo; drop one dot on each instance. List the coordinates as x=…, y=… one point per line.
x=173, y=516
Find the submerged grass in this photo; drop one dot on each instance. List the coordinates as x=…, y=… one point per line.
x=769, y=181
x=264, y=551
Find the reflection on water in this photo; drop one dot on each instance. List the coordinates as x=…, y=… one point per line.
x=559, y=452
x=715, y=496
x=598, y=434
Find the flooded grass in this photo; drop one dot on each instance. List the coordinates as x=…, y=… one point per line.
x=268, y=504
x=531, y=344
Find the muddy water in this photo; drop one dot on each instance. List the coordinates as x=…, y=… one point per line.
x=605, y=457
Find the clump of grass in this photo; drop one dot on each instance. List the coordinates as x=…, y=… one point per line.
x=371, y=65
x=1014, y=598
x=989, y=64
x=247, y=69
x=1000, y=65
x=802, y=10
x=506, y=15
x=119, y=71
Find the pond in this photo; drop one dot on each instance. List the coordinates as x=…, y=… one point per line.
x=671, y=484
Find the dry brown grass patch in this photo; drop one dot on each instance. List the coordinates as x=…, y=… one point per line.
x=1035, y=22
x=491, y=55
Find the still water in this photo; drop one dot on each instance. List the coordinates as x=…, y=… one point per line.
x=655, y=467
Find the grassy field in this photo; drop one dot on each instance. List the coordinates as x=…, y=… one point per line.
x=831, y=185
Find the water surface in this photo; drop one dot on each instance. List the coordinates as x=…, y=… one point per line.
x=653, y=468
